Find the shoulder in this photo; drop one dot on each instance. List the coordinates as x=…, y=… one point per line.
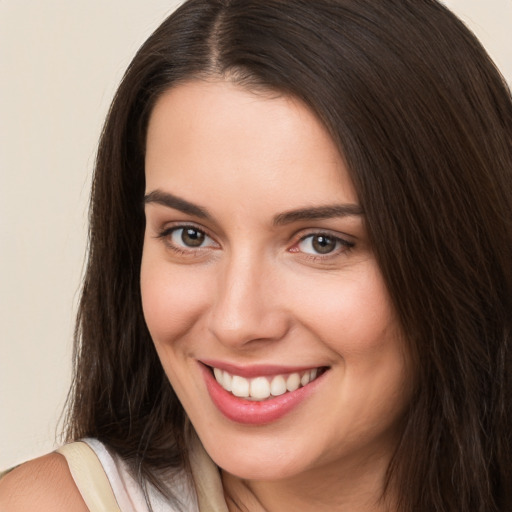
x=43, y=484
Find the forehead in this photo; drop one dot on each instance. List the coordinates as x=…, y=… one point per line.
x=217, y=138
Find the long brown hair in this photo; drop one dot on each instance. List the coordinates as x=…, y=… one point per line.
x=424, y=121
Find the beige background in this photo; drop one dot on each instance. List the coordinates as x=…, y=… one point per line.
x=60, y=62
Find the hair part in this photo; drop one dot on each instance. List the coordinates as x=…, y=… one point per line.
x=424, y=121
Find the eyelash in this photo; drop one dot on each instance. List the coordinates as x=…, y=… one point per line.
x=342, y=246
x=166, y=236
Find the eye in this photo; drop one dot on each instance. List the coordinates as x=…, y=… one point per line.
x=187, y=237
x=322, y=244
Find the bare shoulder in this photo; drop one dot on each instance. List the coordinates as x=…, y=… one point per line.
x=44, y=484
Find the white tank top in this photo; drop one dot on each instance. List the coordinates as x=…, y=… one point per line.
x=106, y=485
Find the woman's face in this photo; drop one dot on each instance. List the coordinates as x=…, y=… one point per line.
x=257, y=272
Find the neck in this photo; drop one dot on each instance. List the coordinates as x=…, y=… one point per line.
x=329, y=489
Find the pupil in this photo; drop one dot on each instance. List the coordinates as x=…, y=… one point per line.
x=323, y=244
x=192, y=237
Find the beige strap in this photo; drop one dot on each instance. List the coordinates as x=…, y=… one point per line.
x=210, y=495
x=90, y=477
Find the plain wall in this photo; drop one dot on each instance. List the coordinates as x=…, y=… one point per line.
x=60, y=62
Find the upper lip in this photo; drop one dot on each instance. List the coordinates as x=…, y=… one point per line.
x=257, y=370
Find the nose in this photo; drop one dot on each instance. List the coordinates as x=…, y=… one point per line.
x=247, y=306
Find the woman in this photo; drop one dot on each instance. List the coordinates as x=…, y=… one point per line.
x=300, y=261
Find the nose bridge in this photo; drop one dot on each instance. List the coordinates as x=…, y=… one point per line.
x=245, y=308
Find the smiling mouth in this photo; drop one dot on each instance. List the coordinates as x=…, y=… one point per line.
x=262, y=388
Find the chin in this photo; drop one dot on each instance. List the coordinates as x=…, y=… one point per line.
x=254, y=471
x=262, y=463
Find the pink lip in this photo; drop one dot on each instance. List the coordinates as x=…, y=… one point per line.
x=248, y=412
x=256, y=370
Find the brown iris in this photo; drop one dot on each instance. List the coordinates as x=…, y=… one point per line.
x=192, y=237
x=323, y=244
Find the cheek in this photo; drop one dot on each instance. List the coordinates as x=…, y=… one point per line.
x=353, y=314
x=172, y=299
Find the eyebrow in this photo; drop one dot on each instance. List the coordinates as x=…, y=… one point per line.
x=289, y=217
x=317, y=213
x=177, y=203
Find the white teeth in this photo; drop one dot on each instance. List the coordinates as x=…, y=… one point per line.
x=218, y=375
x=293, y=382
x=261, y=388
x=226, y=381
x=240, y=386
x=278, y=386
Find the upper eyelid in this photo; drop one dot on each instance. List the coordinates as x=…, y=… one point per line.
x=169, y=227
x=340, y=239
x=344, y=237
x=343, y=241
x=213, y=231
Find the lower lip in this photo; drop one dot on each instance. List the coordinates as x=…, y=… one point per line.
x=249, y=412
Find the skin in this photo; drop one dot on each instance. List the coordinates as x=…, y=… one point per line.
x=257, y=292
x=41, y=485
